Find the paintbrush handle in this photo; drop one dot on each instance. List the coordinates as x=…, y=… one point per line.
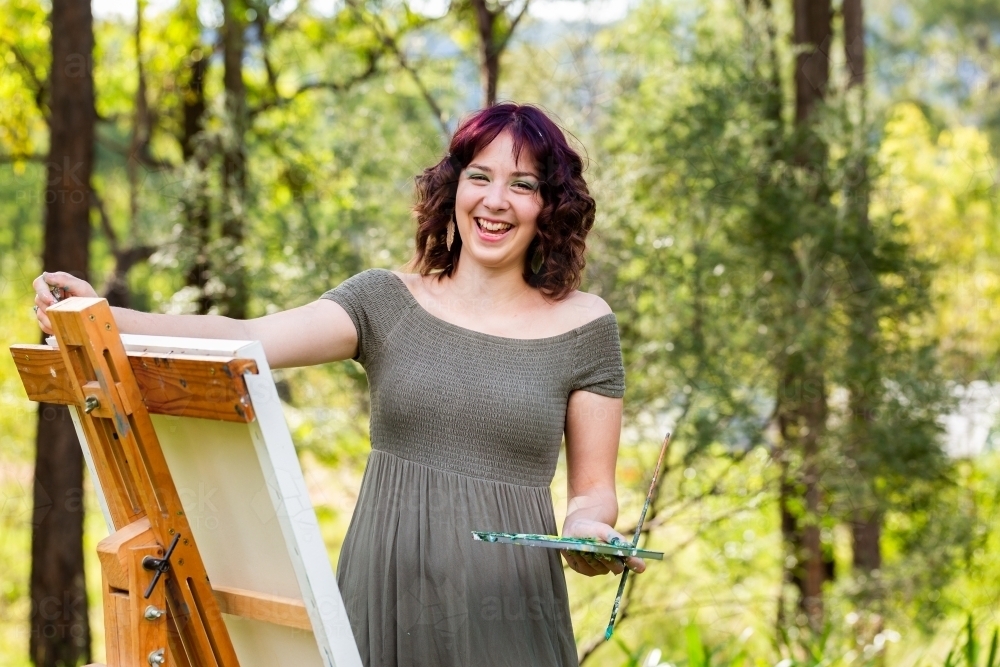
x=635, y=538
x=652, y=487
x=614, y=609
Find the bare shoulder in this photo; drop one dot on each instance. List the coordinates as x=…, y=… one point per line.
x=413, y=281
x=582, y=307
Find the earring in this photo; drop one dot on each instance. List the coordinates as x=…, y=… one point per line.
x=450, y=235
x=537, y=260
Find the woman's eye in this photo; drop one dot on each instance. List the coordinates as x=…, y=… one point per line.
x=521, y=185
x=478, y=177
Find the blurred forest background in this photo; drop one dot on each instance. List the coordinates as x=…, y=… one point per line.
x=797, y=230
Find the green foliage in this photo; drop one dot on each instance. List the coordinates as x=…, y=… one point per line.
x=968, y=654
x=24, y=59
x=723, y=257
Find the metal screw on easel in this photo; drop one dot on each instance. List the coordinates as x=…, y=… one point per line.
x=156, y=658
x=152, y=613
x=91, y=404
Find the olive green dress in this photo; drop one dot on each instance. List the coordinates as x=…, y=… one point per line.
x=466, y=429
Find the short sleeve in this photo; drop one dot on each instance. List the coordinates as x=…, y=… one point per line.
x=597, y=365
x=374, y=303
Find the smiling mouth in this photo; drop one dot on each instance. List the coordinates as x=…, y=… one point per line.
x=493, y=228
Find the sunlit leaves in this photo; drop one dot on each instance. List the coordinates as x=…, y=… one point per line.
x=943, y=187
x=24, y=64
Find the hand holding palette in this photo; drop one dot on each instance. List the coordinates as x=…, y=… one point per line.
x=619, y=548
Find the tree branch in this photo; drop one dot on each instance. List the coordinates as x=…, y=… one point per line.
x=513, y=26
x=424, y=92
x=115, y=289
x=260, y=20
x=392, y=44
x=109, y=231
x=142, y=157
x=39, y=87
x=334, y=86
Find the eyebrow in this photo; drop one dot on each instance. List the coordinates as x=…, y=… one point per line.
x=516, y=174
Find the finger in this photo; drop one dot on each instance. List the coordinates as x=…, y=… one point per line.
x=633, y=563
x=612, y=563
x=570, y=560
x=43, y=297
x=636, y=564
x=579, y=564
x=596, y=564
x=59, y=278
x=616, y=538
x=69, y=283
x=39, y=284
x=44, y=323
x=45, y=301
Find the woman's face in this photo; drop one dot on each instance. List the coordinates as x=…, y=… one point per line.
x=497, y=205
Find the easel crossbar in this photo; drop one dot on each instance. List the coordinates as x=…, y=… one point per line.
x=188, y=386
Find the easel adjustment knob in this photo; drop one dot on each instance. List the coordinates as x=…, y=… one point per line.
x=152, y=613
x=159, y=566
x=156, y=658
x=91, y=404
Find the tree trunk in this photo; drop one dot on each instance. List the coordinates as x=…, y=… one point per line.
x=196, y=203
x=60, y=630
x=866, y=528
x=854, y=41
x=489, y=52
x=813, y=33
x=802, y=407
x=802, y=412
x=234, y=176
x=866, y=523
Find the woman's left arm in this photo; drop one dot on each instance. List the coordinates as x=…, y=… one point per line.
x=593, y=427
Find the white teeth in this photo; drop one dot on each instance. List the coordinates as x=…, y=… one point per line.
x=493, y=226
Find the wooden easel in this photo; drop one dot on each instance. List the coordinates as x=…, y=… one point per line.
x=159, y=605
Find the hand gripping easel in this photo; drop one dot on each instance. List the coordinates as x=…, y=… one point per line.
x=160, y=608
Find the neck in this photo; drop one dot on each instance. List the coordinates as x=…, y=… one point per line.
x=487, y=287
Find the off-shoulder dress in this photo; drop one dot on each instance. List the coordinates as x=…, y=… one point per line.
x=465, y=431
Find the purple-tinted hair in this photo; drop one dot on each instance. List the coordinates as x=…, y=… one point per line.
x=567, y=213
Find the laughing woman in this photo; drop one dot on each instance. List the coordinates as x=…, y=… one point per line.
x=478, y=364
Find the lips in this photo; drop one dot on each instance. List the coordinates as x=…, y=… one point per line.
x=492, y=230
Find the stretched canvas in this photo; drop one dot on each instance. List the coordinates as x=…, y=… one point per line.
x=245, y=497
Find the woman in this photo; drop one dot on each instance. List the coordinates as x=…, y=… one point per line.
x=478, y=364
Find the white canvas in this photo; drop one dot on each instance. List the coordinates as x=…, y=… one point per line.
x=246, y=500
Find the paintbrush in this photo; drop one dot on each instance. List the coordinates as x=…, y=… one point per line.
x=635, y=538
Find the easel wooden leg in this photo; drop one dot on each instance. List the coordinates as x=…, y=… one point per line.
x=139, y=631
x=148, y=616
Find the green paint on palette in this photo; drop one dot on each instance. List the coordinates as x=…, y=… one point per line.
x=591, y=545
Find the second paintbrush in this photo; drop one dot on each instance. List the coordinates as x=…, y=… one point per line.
x=638, y=532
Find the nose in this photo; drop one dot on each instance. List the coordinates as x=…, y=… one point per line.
x=495, y=197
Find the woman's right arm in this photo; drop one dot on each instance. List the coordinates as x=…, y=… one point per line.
x=315, y=333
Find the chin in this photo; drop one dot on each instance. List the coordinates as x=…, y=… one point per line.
x=494, y=260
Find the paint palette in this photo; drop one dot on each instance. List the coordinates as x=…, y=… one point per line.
x=591, y=545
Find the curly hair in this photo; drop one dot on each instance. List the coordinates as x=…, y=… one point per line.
x=564, y=221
